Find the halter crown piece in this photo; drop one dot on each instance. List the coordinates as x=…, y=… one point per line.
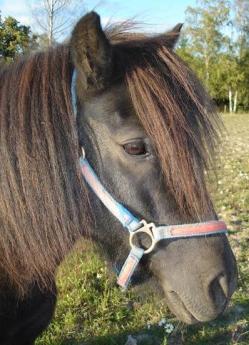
x=136, y=226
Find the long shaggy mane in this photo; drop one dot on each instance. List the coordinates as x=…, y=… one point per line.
x=44, y=204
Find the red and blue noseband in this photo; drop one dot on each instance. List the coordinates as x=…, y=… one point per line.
x=135, y=226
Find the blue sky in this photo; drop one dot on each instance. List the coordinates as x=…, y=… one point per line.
x=159, y=14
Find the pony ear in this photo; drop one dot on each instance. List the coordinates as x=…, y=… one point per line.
x=91, y=53
x=173, y=35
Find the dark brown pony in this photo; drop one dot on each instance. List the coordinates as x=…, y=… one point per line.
x=129, y=88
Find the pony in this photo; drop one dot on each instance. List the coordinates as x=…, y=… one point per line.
x=149, y=131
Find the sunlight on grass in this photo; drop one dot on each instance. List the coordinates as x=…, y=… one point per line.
x=92, y=310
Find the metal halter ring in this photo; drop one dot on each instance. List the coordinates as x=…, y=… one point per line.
x=147, y=228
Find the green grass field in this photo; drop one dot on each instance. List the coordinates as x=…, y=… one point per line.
x=92, y=310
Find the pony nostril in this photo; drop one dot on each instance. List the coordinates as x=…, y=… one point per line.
x=224, y=284
x=219, y=290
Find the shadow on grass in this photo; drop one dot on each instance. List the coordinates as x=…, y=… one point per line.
x=142, y=337
x=231, y=329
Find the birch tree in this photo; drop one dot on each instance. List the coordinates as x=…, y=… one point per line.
x=241, y=24
x=204, y=29
x=239, y=50
x=55, y=17
x=216, y=46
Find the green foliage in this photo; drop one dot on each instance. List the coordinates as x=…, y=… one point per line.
x=225, y=75
x=244, y=84
x=15, y=39
x=215, y=44
x=93, y=311
x=241, y=24
x=206, y=38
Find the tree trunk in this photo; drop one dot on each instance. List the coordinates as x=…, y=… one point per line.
x=50, y=21
x=230, y=101
x=235, y=102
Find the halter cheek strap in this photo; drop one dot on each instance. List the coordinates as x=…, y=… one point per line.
x=135, y=226
x=125, y=217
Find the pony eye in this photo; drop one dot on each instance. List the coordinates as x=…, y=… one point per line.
x=136, y=148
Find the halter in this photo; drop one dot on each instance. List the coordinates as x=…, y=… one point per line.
x=135, y=226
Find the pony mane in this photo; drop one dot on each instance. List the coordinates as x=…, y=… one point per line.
x=44, y=203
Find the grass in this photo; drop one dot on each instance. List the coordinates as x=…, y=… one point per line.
x=92, y=310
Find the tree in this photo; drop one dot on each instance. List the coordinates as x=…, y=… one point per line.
x=15, y=39
x=241, y=24
x=54, y=17
x=244, y=85
x=226, y=80
x=205, y=24
x=216, y=46
x=211, y=51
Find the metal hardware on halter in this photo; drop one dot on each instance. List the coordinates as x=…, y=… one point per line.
x=148, y=229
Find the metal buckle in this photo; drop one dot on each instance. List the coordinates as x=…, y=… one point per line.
x=147, y=228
